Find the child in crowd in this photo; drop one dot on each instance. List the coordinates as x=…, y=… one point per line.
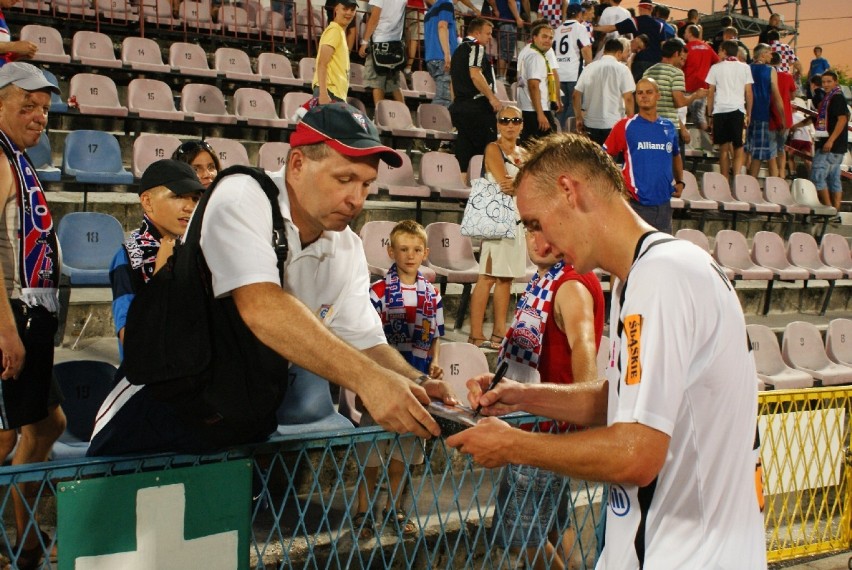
x=413, y=319
x=801, y=139
x=202, y=158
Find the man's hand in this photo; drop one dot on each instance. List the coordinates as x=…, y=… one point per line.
x=435, y=371
x=489, y=442
x=362, y=51
x=579, y=126
x=13, y=354
x=440, y=390
x=323, y=99
x=447, y=61
x=396, y=404
x=543, y=123
x=495, y=103
x=502, y=399
x=23, y=48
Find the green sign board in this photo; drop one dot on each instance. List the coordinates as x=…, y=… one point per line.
x=194, y=517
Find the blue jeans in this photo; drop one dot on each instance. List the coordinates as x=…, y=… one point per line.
x=442, y=82
x=567, y=101
x=825, y=172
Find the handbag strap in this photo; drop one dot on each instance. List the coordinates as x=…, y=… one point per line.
x=505, y=159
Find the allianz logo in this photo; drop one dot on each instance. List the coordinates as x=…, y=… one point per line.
x=650, y=146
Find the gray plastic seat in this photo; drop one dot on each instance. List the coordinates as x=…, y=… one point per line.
x=256, y=107
x=803, y=348
x=778, y=192
x=234, y=63
x=152, y=99
x=731, y=252
x=205, y=104
x=715, y=186
x=272, y=155
x=747, y=189
x=400, y=181
x=276, y=68
x=692, y=197
x=771, y=368
x=94, y=49
x=768, y=250
x=49, y=42
x=189, y=59
x=802, y=250
x=838, y=341
x=461, y=361
x=834, y=251
x=149, y=148
x=440, y=171
x=142, y=54
x=229, y=152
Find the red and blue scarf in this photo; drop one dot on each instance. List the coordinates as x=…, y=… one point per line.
x=142, y=246
x=38, y=263
x=821, y=123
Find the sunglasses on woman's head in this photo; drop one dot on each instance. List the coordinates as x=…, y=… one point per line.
x=191, y=147
x=510, y=120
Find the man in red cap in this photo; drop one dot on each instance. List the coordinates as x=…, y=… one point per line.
x=320, y=318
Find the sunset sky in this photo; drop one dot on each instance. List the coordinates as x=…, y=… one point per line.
x=827, y=23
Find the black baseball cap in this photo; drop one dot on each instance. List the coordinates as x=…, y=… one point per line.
x=344, y=2
x=345, y=129
x=177, y=176
x=574, y=9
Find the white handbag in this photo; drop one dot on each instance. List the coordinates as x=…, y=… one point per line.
x=489, y=212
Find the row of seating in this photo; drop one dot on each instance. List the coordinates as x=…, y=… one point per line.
x=803, y=361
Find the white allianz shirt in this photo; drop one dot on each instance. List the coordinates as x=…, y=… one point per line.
x=681, y=364
x=330, y=276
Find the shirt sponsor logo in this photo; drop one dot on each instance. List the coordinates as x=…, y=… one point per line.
x=619, y=500
x=654, y=146
x=325, y=312
x=633, y=330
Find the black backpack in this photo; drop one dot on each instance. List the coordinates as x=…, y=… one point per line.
x=195, y=352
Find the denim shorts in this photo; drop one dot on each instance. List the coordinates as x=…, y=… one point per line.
x=531, y=502
x=507, y=39
x=825, y=172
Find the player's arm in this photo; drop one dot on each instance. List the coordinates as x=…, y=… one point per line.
x=10, y=342
x=574, y=310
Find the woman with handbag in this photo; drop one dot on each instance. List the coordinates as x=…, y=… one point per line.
x=501, y=261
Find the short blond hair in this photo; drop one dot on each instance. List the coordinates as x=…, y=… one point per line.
x=408, y=227
x=558, y=154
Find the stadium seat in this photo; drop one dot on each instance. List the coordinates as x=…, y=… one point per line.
x=94, y=157
x=73, y=8
x=403, y=88
x=197, y=15
x=778, y=192
x=834, y=251
x=731, y=251
x=96, y=95
x=692, y=197
x=451, y=257
x=714, y=186
x=307, y=66
x=699, y=238
x=768, y=250
x=57, y=105
x=229, y=151
x=461, y=361
x=500, y=91
x=356, y=78
x=159, y=13
x=256, y=107
x=85, y=384
x=747, y=189
x=802, y=251
x=307, y=406
x=804, y=192
x=310, y=25
x=803, y=348
x=440, y=171
x=375, y=237
x=234, y=63
x=142, y=54
x=49, y=42
x=205, y=104
x=42, y=158
x=234, y=19
x=358, y=104
x=88, y=241
x=474, y=167
x=436, y=119
x=291, y=103
x=274, y=25
x=771, y=368
x=276, y=68
x=189, y=59
x=116, y=11
x=400, y=181
x=38, y=6
x=423, y=83
x=394, y=118
x=149, y=148
x=152, y=99
x=838, y=341
x=272, y=156
x=94, y=49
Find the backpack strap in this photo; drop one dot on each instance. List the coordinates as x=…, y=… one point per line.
x=279, y=232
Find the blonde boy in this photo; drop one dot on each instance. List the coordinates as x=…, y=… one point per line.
x=413, y=319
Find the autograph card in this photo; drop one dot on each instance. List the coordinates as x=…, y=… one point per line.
x=452, y=419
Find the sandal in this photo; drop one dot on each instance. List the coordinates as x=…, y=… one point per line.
x=362, y=524
x=499, y=341
x=408, y=527
x=480, y=342
x=31, y=558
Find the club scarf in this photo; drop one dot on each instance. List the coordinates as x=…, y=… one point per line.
x=39, y=251
x=142, y=246
x=522, y=342
x=419, y=342
x=552, y=87
x=821, y=124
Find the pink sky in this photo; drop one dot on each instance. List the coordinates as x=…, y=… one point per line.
x=821, y=22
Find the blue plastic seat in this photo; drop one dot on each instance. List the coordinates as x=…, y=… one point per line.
x=57, y=105
x=85, y=385
x=42, y=159
x=94, y=157
x=88, y=241
x=308, y=406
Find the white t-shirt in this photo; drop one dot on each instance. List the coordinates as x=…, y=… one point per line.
x=603, y=84
x=391, y=20
x=730, y=79
x=803, y=133
x=681, y=364
x=610, y=17
x=330, y=276
x=532, y=65
x=567, y=41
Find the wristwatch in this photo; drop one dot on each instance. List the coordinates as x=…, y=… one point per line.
x=420, y=380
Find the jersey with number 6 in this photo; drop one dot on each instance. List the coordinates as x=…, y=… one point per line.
x=681, y=364
x=568, y=40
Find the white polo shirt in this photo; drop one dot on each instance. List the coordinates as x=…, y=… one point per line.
x=683, y=367
x=729, y=79
x=603, y=84
x=532, y=65
x=330, y=276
